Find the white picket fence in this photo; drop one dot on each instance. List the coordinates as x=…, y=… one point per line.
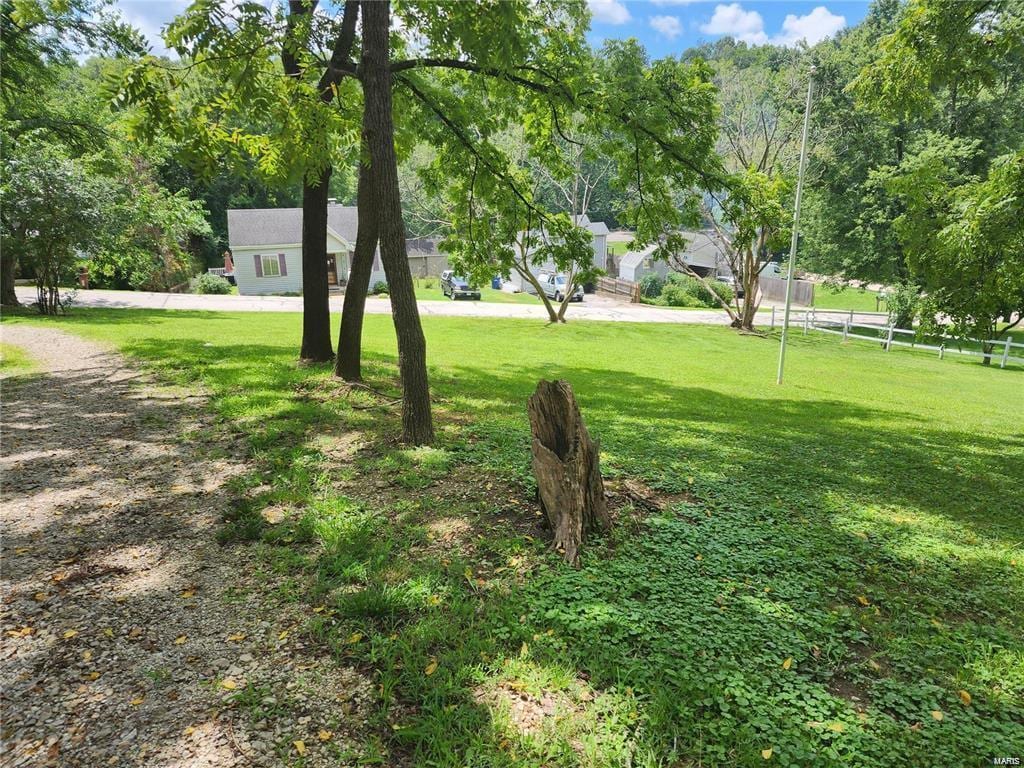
x=826, y=321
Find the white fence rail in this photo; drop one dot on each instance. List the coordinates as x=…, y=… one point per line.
x=889, y=336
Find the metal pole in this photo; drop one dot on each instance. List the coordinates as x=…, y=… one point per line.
x=796, y=225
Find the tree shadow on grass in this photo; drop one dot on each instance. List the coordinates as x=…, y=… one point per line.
x=819, y=502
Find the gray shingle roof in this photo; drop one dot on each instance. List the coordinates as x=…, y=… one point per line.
x=283, y=226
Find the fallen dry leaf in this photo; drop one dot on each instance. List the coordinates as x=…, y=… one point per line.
x=180, y=639
x=187, y=593
x=431, y=668
x=237, y=638
x=863, y=600
x=325, y=735
x=355, y=637
x=766, y=753
x=70, y=633
x=937, y=715
x=137, y=700
x=787, y=663
x=300, y=746
x=228, y=683
x=965, y=697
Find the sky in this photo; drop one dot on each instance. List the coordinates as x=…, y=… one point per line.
x=664, y=26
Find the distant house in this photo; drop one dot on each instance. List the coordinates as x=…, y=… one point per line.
x=703, y=254
x=599, y=242
x=266, y=245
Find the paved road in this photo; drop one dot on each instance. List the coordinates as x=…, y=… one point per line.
x=593, y=308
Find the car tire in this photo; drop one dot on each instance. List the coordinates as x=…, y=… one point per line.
x=558, y=297
x=452, y=295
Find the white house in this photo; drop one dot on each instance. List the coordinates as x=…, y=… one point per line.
x=599, y=242
x=703, y=253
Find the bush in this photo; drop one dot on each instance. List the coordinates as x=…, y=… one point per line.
x=651, y=285
x=902, y=303
x=208, y=283
x=684, y=291
x=379, y=287
x=676, y=294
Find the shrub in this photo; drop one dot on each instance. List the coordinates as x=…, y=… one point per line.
x=684, y=291
x=379, y=287
x=208, y=283
x=651, y=285
x=902, y=303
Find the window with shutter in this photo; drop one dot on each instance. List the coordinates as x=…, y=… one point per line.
x=282, y=265
x=269, y=266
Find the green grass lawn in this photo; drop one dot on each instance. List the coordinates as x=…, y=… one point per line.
x=836, y=579
x=618, y=247
x=846, y=298
x=14, y=360
x=429, y=289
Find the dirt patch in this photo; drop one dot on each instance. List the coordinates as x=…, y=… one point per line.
x=130, y=636
x=527, y=713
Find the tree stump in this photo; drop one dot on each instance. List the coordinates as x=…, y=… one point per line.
x=567, y=468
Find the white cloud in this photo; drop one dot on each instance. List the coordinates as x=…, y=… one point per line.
x=814, y=27
x=608, y=11
x=669, y=26
x=731, y=19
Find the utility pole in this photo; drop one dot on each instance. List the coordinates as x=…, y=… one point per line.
x=796, y=226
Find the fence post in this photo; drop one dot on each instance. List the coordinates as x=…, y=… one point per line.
x=942, y=351
x=814, y=316
x=846, y=330
x=773, y=317
x=806, y=315
x=888, y=340
x=1006, y=352
x=851, y=317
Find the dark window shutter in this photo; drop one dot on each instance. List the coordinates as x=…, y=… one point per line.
x=280, y=261
x=259, y=265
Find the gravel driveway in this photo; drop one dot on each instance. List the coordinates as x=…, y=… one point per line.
x=130, y=636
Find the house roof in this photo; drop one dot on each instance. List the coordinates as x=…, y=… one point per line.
x=283, y=226
x=701, y=249
x=594, y=227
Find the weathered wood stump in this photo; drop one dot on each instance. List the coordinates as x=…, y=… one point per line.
x=567, y=468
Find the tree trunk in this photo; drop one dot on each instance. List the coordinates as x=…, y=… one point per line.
x=350, y=338
x=379, y=135
x=316, y=308
x=566, y=465
x=8, y=264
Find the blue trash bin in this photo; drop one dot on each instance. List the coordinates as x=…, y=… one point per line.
x=496, y=283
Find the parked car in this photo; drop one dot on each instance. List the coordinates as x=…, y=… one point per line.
x=555, y=286
x=457, y=287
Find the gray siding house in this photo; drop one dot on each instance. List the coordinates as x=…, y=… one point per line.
x=266, y=245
